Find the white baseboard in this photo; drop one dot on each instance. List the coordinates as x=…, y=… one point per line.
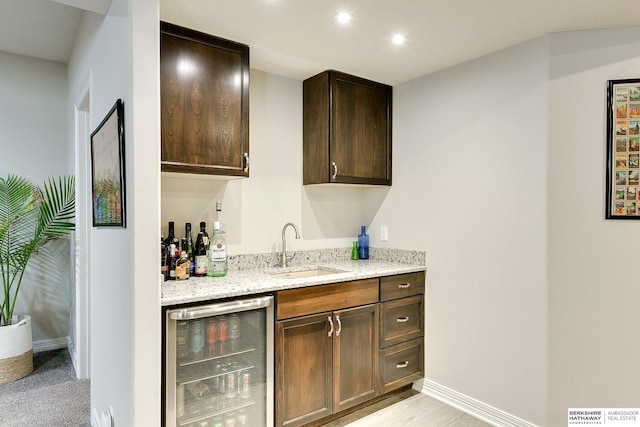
x=50, y=344
x=473, y=407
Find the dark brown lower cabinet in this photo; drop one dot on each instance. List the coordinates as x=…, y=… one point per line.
x=343, y=344
x=326, y=363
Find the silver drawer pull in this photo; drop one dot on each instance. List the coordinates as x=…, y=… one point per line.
x=403, y=364
x=330, y=323
x=404, y=285
x=402, y=319
x=335, y=170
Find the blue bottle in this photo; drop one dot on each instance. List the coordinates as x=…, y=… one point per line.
x=363, y=243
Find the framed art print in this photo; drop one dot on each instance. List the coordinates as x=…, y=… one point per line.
x=623, y=149
x=107, y=170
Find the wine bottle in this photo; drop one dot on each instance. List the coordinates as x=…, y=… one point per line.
x=200, y=253
x=171, y=237
x=217, y=257
x=164, y=266
x=189, y=247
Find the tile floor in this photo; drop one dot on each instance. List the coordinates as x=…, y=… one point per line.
x=410, y=409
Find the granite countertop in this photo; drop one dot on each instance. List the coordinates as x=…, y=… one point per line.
x=244, y=280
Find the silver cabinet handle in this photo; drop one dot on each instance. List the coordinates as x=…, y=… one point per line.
x=402, y=319
x=330, y=323
x=404, y=286
x=335, y=170
x=339, y=326
x=403, y=364
x=246, y=162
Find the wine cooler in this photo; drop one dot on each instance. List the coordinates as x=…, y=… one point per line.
x=219, y=364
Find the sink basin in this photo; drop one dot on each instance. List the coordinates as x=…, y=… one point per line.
x=305, y=273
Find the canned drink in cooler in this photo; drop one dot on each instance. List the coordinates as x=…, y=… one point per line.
x=203, y=423
x=217, y=422
x=234, y=327
x=242, y=419
x=245, y=385
x=212, y=331
x=182, y=340
x=223, y=328
x=230, y=420
x=232, y=385
x=180, y=400
x=196, y=336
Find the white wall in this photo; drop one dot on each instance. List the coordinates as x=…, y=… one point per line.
x=118, y=55
x=470, y=188
x=34, y=145
x=593, y=279
x=255, y=209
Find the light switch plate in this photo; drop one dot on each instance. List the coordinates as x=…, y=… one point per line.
x=384, y=233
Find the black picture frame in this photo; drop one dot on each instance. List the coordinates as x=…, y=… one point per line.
x=107, y=170
x=623, y=149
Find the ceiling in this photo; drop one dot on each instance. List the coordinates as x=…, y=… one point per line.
x=299, y=38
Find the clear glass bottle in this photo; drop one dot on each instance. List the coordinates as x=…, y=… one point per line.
x=217, y=257
x=363, y=243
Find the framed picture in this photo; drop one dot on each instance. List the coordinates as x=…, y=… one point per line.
x=107, y=170
x=623, y=149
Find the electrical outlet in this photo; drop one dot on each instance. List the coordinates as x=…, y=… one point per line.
x=384, y=233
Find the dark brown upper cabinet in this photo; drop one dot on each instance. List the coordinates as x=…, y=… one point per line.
x=204, y=103
x=346, y=130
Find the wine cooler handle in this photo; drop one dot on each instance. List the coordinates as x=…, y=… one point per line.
x=220, y=308
x=335, y=170
x=246, y=162
x=339, y=326
x=331, y=324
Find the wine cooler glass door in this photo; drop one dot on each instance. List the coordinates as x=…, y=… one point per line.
x=219, y=364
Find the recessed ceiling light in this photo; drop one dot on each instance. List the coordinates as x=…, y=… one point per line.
x=343, y=17
x=398, y=39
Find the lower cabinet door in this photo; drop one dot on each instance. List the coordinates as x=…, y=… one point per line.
x=356, y=366
x=304, y=369
x=402, y=364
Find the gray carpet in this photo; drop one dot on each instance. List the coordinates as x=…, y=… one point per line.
x=50, y=396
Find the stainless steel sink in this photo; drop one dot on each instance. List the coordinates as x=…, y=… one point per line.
x=313, y=272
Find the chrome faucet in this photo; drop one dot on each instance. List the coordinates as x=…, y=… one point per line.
x=284, y=258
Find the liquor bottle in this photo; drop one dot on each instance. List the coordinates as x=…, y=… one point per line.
x=164, y=266
x=363, y=243
x=217, y=257
x=200, y=254
x=183, y=266
x=189, y=248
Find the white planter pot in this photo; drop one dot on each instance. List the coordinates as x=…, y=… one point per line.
x=16, y=350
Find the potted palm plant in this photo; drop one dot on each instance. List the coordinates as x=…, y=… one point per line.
x=30, y=217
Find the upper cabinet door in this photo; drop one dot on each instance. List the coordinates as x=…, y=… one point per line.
x=204, y=103
x=347, y=130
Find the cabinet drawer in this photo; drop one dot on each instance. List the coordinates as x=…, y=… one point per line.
x=401, y=285
x=402, y=320
x=402, y=364
x=316, y=299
